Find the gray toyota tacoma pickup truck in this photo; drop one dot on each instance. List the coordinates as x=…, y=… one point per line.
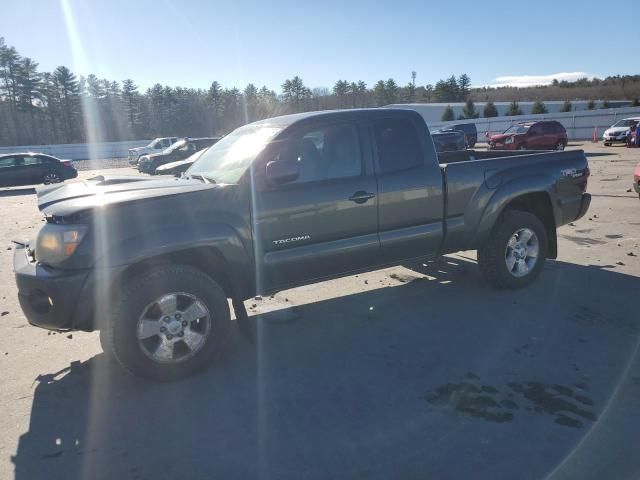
x=152, y=262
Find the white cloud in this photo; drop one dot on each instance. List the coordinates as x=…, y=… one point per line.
x=531, y=80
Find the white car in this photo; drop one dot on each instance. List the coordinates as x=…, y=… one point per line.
x=617, y=133
x=156, y=145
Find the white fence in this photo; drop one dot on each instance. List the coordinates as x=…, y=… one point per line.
x=579, y=125
x=80, y=151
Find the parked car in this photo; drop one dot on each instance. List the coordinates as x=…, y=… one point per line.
x=178, y=151
x=179, y=167
x=469, y=130
x=18, y=169
x=447, y=140
x=277, y=203
x=542, y=135
x=618, y=132
x=636, y=180
x=156, y=145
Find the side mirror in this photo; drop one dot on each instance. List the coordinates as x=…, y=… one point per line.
x=282, y=171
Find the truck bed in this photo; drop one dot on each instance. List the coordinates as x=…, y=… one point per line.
x=472, y=178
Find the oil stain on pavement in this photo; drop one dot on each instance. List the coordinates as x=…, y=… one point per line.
x=568, y=405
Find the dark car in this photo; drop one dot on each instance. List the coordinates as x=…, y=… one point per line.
x=469, y=130
x=180, y=150
x=18, y=169
x=448, y=140
x=283, y=202
x=177, y=168
x=543, y=135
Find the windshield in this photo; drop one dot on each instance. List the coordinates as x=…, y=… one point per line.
x=516, y=129
x=227, y=160
x=625, y=123
x=175, y=146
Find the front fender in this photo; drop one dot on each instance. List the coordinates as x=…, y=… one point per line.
x=507, y=192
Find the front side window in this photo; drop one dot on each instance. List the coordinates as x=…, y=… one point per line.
x=325, y=153
x=397, y=144
x=228, y=159
x=7, y=162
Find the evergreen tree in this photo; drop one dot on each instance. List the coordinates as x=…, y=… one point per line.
x=513, y=110
x=469, y=110
x=131, y=103
x=464, y=84
x=448, y=114
x=635, y=102
x=591, y=105
x=490, y=110
x=605, y=104
x=379, y=93
x=391, y=91
x=539, y=107
x=566, y=106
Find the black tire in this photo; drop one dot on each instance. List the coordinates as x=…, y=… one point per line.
x=120, y=333
x=560, y=146
x=607, y=144
x=51, y=177
x=491, y=256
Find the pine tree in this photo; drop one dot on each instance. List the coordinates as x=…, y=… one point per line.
x=539, y=107
x=591, y=105
x=490, y=110
x=67, y=92
x=513, y=110
x=469, y=110
x=464, y=84
x=379, y=93
x=448, y=114
x=566, y=106
x=391, y=91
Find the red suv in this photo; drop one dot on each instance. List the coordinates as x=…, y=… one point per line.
x=544, y=135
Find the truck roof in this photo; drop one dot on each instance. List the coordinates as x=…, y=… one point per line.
x=285, y=120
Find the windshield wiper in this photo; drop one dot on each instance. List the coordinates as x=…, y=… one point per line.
x=204, y=178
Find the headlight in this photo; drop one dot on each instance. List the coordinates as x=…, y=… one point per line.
x=508, y=140
x=57, y=243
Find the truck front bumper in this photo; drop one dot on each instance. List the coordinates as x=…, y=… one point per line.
x=48, y=297
x=58, y=299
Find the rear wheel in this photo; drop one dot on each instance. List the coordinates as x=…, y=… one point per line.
x=560, y=146
x=51, y=177
x=169, y=323
x=523, y=147
x=607, y=144
x=515, y=254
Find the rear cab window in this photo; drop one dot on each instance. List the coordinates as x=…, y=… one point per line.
x=397, y=144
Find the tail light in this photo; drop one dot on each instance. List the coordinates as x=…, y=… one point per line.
x=66, y=163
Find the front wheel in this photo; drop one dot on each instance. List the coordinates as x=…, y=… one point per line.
x=523, y=147
x=168, y=323
x=516, y=252
x=560, y=146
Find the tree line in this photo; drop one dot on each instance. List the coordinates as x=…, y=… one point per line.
x=61, y=107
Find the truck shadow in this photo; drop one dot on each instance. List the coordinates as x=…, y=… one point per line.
x=412, y=379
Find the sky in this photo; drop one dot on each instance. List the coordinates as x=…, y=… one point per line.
x=191, y=43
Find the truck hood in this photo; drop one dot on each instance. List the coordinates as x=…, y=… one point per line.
x=98, y=192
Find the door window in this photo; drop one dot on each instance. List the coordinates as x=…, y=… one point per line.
x=32, y=160
x=7, y=162
x=397, y=144
x=166, y=143
x=325, y=153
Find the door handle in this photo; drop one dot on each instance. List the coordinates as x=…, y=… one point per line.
x=361, y=196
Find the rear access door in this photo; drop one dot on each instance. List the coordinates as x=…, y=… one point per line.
x=410, y=197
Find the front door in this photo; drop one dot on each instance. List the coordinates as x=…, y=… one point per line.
x=324, y=222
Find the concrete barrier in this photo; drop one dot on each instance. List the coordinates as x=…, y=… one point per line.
x=80, y=151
